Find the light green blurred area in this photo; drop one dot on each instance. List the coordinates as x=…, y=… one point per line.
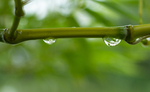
x=77, y=64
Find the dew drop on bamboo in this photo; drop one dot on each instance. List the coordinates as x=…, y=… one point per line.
x=111, y=41
x=146, y=42
x=49, y=41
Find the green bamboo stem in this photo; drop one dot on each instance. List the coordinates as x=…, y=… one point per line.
x=137, y=31
x=98, y=32
x=128, y=33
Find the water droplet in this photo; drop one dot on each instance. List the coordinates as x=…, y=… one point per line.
x=49, y=40
x=146, y=42
x=111, y=41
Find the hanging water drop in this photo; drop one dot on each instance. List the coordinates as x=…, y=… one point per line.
x=146, y=42
x=111, y=41
x=49, y=41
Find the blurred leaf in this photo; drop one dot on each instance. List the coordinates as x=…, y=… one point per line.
x=120, y=9
x=99, y=17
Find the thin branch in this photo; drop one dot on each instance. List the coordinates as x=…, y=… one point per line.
x=14, y=27
x=18, y=14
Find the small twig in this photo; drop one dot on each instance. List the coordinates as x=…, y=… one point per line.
x=11, y=33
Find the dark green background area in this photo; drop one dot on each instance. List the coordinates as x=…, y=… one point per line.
x=76, y=64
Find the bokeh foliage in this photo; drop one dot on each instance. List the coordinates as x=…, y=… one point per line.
x=78, y=64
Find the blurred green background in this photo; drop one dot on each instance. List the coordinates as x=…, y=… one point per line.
x=78, y=64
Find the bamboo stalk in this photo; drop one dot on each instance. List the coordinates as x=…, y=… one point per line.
x=97, y=32
x=137, y=32
x=128, y=33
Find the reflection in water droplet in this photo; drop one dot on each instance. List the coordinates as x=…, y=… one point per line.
x=49, y=41
x=111, y=41
x=146, y=42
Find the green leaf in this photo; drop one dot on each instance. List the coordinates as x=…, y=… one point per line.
x=99, y=17
x=124, y=11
